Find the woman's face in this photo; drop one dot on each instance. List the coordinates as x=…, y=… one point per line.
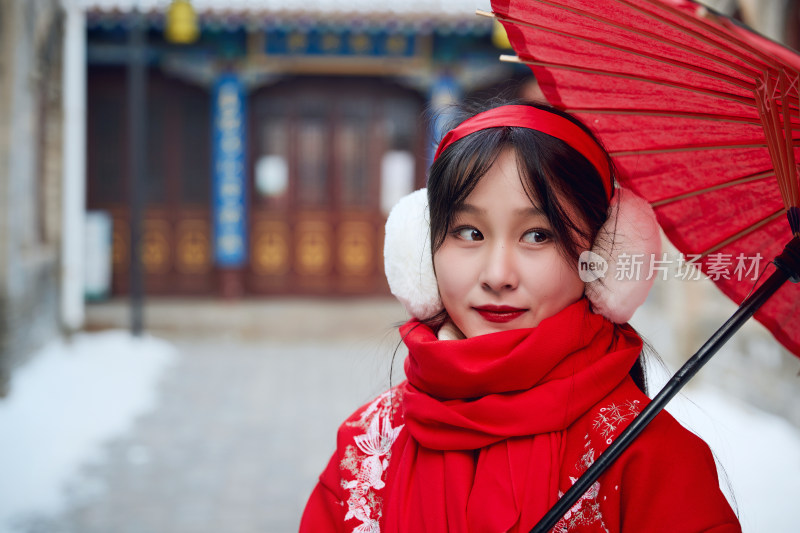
x=499, y=267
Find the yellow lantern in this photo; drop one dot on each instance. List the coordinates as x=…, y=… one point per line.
x=181, y=27
x=499, y=36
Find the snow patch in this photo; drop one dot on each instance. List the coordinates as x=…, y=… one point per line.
x=71, y=397
x=757, y=453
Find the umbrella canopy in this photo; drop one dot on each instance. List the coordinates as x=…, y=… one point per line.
x=700, y=116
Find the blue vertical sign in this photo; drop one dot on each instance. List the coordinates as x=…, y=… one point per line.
x=444, y=94
x=229, y=173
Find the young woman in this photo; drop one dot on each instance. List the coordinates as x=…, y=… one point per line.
x=521, y=371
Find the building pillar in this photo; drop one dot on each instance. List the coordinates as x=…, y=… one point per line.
x=73, y=221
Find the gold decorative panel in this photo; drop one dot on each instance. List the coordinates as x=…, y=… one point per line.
x=270, y=255
x=155, y=247
x=193, y=247
x=356, y=248
x=313, y=254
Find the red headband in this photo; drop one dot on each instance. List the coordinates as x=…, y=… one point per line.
x=524, y=116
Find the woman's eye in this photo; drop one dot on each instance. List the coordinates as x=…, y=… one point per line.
x=469, y=234
x=536, y=237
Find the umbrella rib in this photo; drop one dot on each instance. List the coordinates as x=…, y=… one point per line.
x=791, y=198
x=780, y=146
x=695, y=148
x=734, y=119
x=751, y=72
x=748, y=230
x=748, y=101
x=732, y=183
x=667, y=114
x=747, y=85
x=769, y=117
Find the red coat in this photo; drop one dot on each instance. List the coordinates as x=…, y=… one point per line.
x=666, y=481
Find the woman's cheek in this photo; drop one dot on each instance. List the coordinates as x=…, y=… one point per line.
x=450, y=267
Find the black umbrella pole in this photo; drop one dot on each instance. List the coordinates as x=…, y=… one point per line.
x=788, y=264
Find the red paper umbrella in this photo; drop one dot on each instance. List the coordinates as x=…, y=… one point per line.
x=702, y=119
x=700, y=116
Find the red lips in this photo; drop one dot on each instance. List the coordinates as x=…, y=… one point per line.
x=499, y=313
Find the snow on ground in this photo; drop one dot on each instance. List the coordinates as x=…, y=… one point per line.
x=70, y=398
x=757, y=453
x=73, y=396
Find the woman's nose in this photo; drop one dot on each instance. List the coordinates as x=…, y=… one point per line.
x=499, y=271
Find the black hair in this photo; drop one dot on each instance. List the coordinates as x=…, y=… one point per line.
x=559, y=179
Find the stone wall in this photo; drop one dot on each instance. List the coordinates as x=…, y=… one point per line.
x=31, y=44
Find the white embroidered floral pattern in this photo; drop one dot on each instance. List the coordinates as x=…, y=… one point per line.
x=368, y=466
x=586, y=511
x=610, y=418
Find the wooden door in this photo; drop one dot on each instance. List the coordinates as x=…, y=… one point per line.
x=176, y=238
x=318, y=154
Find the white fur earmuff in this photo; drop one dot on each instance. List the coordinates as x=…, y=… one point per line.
x=616, y=285
x=407, y=256
x=626, y=245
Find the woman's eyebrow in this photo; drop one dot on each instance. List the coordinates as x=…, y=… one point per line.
x=469, y=209
x=529, y=211
x=474, y=210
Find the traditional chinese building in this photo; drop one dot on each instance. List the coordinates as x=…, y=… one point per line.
x=279, y=139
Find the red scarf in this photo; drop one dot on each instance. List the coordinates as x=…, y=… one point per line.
x=488, y=416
